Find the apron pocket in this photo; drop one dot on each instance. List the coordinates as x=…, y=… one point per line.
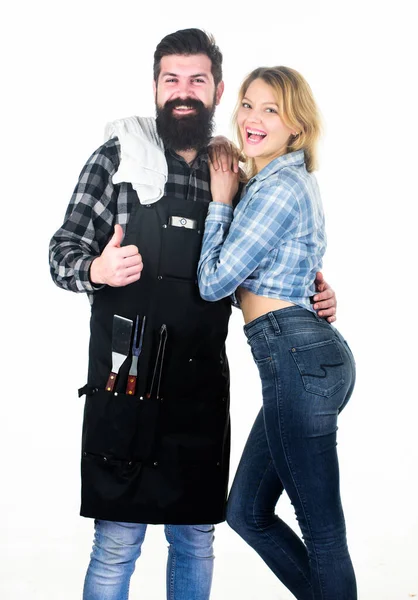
x=180, y=253
x=119, y=426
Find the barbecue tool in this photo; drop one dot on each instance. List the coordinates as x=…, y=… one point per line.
x=159, y=362
x=121, y=339
x=136, y=351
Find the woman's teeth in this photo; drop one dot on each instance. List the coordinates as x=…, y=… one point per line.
x=255, y=136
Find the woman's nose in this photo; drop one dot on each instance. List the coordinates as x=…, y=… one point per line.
x=254, y=117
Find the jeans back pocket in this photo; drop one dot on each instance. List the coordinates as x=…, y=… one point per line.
x=321, y=366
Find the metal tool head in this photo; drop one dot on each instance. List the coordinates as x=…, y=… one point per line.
x=121, y=341
x=137, y=344
x=121, y=335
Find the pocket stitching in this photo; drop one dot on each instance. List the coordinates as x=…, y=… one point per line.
x=318, y=391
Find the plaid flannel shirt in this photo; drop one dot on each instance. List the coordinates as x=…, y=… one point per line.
x=273, y=243
x=97, y=205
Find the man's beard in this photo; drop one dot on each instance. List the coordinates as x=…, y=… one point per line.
x=190, y=132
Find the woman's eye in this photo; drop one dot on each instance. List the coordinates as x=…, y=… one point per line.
x=271, y=110
x=245, y=105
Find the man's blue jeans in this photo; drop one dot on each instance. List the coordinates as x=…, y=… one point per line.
x=307, y=373
x=118, y=545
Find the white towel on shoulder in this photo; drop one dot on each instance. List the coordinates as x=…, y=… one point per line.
x=143, y=162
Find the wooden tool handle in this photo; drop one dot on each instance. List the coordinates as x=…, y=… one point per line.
x=111, y=382
x=131, y=385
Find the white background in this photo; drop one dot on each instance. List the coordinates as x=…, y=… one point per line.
x=68, y=68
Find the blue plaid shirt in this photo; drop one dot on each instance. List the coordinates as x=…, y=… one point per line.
x=274, y=241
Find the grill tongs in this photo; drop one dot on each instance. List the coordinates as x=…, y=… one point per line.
x=156, y=376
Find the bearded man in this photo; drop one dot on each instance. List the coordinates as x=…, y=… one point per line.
x=155, y=444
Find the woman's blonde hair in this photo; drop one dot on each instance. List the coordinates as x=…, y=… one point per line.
x=297, y=109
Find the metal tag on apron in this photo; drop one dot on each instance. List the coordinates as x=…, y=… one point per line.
x=183, y=222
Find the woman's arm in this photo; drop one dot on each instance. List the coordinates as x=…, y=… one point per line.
x=233, y=248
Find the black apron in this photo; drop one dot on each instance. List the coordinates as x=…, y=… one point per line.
x=162, y=455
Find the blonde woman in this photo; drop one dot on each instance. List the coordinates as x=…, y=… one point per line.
x=268, y=251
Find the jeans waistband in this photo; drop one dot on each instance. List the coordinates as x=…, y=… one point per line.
x=278, y=319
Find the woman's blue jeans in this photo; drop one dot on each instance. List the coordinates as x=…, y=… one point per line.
x=307, y=373
x=118, y=545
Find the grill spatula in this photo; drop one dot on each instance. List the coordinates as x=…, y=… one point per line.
x=121, y=341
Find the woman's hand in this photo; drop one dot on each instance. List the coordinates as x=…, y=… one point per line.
x=224, y=153
x=223, y=183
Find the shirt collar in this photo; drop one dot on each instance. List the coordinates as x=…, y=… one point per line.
x=295, y=159
x=201, y=158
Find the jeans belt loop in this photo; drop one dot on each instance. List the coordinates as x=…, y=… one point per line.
x=274, y=323
x=318, y=318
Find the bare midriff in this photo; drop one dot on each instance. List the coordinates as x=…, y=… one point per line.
x=254, y=306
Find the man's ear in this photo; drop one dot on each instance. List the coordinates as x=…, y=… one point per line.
x=219, y=92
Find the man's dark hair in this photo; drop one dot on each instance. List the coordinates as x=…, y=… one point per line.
x=187, y=42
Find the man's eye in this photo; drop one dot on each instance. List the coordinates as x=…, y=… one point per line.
x=172, y=80
x=198, y=80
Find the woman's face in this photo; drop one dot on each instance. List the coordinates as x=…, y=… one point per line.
x=263, y=132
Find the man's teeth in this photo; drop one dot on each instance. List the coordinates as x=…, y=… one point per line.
x=183, y=107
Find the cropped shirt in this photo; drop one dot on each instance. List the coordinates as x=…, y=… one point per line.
x=273, y=242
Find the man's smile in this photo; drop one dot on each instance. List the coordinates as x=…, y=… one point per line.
x=184, y=109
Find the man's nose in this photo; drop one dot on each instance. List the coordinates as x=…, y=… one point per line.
x=184, y=89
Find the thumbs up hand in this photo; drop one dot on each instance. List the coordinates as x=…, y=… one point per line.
x=117, y=265
x=116, y=238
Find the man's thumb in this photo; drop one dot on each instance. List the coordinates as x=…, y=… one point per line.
x=117, y=237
